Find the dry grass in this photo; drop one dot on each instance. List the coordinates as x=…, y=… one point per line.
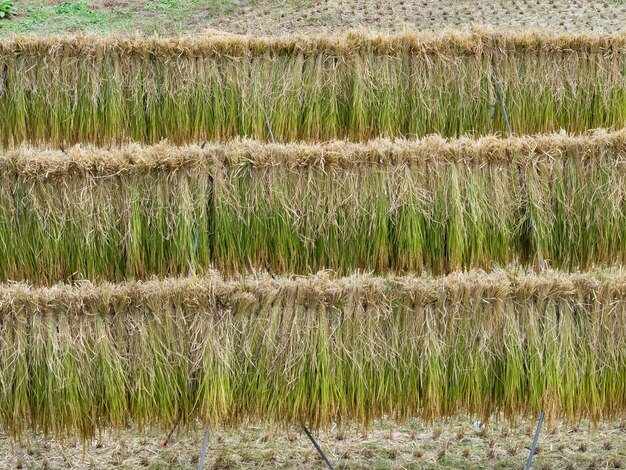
x=314, y=350
x=432, y=205
x=262, y=447
x=328, y=16
x=89, y=89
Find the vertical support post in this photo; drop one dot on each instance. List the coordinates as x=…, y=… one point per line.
x=496, y=84
x=319, y=449
x=534, y=446
x=269, y=127
x=205, y=445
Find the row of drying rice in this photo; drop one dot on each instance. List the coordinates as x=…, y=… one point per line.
x=115, y=237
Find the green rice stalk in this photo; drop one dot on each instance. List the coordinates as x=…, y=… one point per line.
x=313, y=349
x=68, y=89
x=431, y=205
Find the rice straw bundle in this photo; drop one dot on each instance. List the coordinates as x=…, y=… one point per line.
x=103, y=90
x=311, y=349
x=431, y=205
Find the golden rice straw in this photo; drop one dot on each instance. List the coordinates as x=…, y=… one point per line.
x=316, y=349
x=91, y=89
x=432, y=205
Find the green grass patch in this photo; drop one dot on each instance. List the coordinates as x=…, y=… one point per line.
x=154, y=16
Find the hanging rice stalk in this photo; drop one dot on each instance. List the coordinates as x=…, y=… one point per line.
x=313, y=350
x=432, y=205
x=102, y=90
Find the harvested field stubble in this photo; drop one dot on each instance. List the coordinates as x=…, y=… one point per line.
x=87, y=89
x=311, y=349
x=431, y=205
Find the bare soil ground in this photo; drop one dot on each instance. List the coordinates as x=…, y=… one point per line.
x=413, y=445
x=328, y=16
